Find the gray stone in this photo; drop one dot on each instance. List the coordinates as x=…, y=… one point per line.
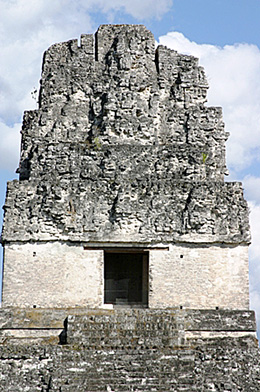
x=122, y=137
x=136, y=350
x=124, y=155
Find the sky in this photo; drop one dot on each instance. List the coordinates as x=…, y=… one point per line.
x=223, y=34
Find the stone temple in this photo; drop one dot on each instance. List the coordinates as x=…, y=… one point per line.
x=125, y=251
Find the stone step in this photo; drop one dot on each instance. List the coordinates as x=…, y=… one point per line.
x=153, y=328
x=217, y=363
x=33, y=325
x=121, y=329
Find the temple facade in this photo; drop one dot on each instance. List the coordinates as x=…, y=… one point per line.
x=121, y=199
x=125, y=251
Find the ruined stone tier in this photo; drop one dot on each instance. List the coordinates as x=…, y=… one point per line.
x=116, y=89
x=190, y=147
x=123, y=144
x=124, y=350
x=143, y=210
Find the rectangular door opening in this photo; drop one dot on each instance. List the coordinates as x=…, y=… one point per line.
x=126, y=278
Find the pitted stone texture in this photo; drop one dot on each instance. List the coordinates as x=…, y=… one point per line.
x=142, y=210
x=122, y=327
x=154, y=328
x=106, y=358
x=122, y=145
x=34, y=325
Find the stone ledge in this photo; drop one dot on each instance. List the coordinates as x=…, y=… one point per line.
x=155, y=328
x=192, y=319
x=39, y=318
x=220, y=320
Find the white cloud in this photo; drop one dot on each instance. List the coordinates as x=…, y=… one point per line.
x=252, y=192
x=234, y=76
x=255, y=232
x=9, y=146
x=255, y=305
x=145, y=9
x=28, y=28
x=252, y=188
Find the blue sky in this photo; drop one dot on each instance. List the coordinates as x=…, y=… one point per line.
x=224, y=34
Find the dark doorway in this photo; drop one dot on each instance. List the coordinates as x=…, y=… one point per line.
x=126, y=278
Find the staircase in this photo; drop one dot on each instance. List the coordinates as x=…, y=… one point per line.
x=129, y=350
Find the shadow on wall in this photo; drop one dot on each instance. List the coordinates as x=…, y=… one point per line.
x=5, y=175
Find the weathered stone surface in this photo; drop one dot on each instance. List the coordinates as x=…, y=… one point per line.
x=52, y=275
x=201, y=277
x=154, y=328
x=220, y=365
x=124, y=154
x=56, y=274
x=123, y=145
x=36, y=318
x=134, y=350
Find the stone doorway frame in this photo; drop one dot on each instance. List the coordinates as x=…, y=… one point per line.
x=144, y=295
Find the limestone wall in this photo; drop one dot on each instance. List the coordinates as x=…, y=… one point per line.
x=52, y=275
x=200, y=277
x=63, y=275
